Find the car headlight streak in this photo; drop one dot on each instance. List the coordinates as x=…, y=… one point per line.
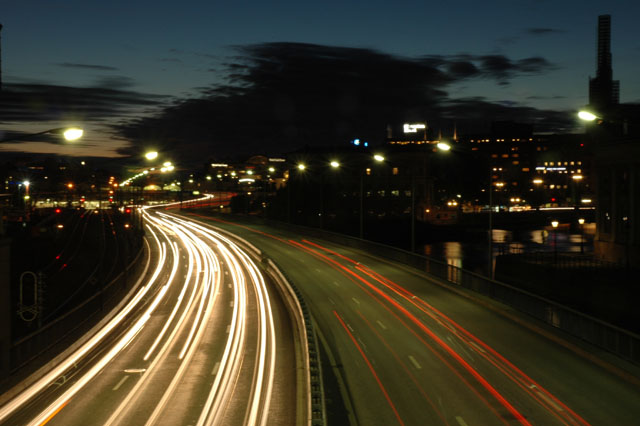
x=184, y=327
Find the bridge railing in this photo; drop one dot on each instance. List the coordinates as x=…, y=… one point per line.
x=599, y=333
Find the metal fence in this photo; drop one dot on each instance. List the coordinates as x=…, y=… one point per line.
x=609, y=337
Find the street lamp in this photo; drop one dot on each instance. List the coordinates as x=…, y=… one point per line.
x=70, y=134
x=151, y=155
x=554, y=224
x=581, y=222
x=443, y=146
x=587, y=116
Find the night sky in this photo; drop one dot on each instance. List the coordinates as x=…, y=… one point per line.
x=243, y=77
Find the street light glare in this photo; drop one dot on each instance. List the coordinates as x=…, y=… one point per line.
x=443, y=146
x=587, y=116
x=301, y=166
x=378, y=158
x=151, y=155
x=335, y=164
x=73, y=134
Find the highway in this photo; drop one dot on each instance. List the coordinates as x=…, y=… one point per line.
x=203, y=339
x=409, y=350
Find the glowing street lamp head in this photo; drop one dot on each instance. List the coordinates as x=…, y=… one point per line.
x=587, y=116
x=301, y=166
x=335, y=164
x=443, y=146
x=151, y=155
x=379, y=158
x=73, y=134
x=555, y=223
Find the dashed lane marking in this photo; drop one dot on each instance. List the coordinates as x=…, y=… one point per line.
x=461, y=421
x=116, y=387
x=414, y=362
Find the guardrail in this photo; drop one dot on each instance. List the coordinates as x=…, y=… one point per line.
x=599, y=333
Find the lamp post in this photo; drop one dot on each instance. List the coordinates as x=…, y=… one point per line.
x=443, y=146
x=379, y=158
x=554, y=224
x=581, y=222
x=301, y=168
x=69, y=134
x=335, y=165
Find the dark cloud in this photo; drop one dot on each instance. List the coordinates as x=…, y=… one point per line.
x=41, y=102
x=87, y=66
x=278, y=97
x=502, y=68
x=117, y=82
x=538, y=97
x=476, y=114
x=543, y=31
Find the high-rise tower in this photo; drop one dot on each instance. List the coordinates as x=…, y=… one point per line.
x=603, y=90
x=0, y=57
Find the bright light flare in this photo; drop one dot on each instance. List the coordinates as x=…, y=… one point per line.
x=335, y=164
x=443, y=146
x=587, y=116
x=151, y=155
x=73, y=134
x=379, y=158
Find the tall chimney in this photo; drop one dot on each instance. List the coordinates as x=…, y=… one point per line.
x=603, y=90
x=0, y=57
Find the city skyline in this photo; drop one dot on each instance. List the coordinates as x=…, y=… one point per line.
x=132, y=61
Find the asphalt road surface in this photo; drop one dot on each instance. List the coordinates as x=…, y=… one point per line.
x=203, y=339
x=410, y=350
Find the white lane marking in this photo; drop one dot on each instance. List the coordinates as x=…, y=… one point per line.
x=228, y=328
x=231, y=303
x=135, y=370
x=461, y=421
x=382, y=326
x=229, y=285
x=362, y=343
x=415, y=363
x=355, y=300
x=547, y=399
x=331, y=300
x=477, y=346
x=215, y=369
x=350, y=328
x=336, y=284
x=318, y=270
x=116, y=387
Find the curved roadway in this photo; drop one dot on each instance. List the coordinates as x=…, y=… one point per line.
x=203, y=339
x=409, y=350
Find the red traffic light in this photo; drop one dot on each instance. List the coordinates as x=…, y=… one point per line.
x=127, y=210
x=58, y=211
